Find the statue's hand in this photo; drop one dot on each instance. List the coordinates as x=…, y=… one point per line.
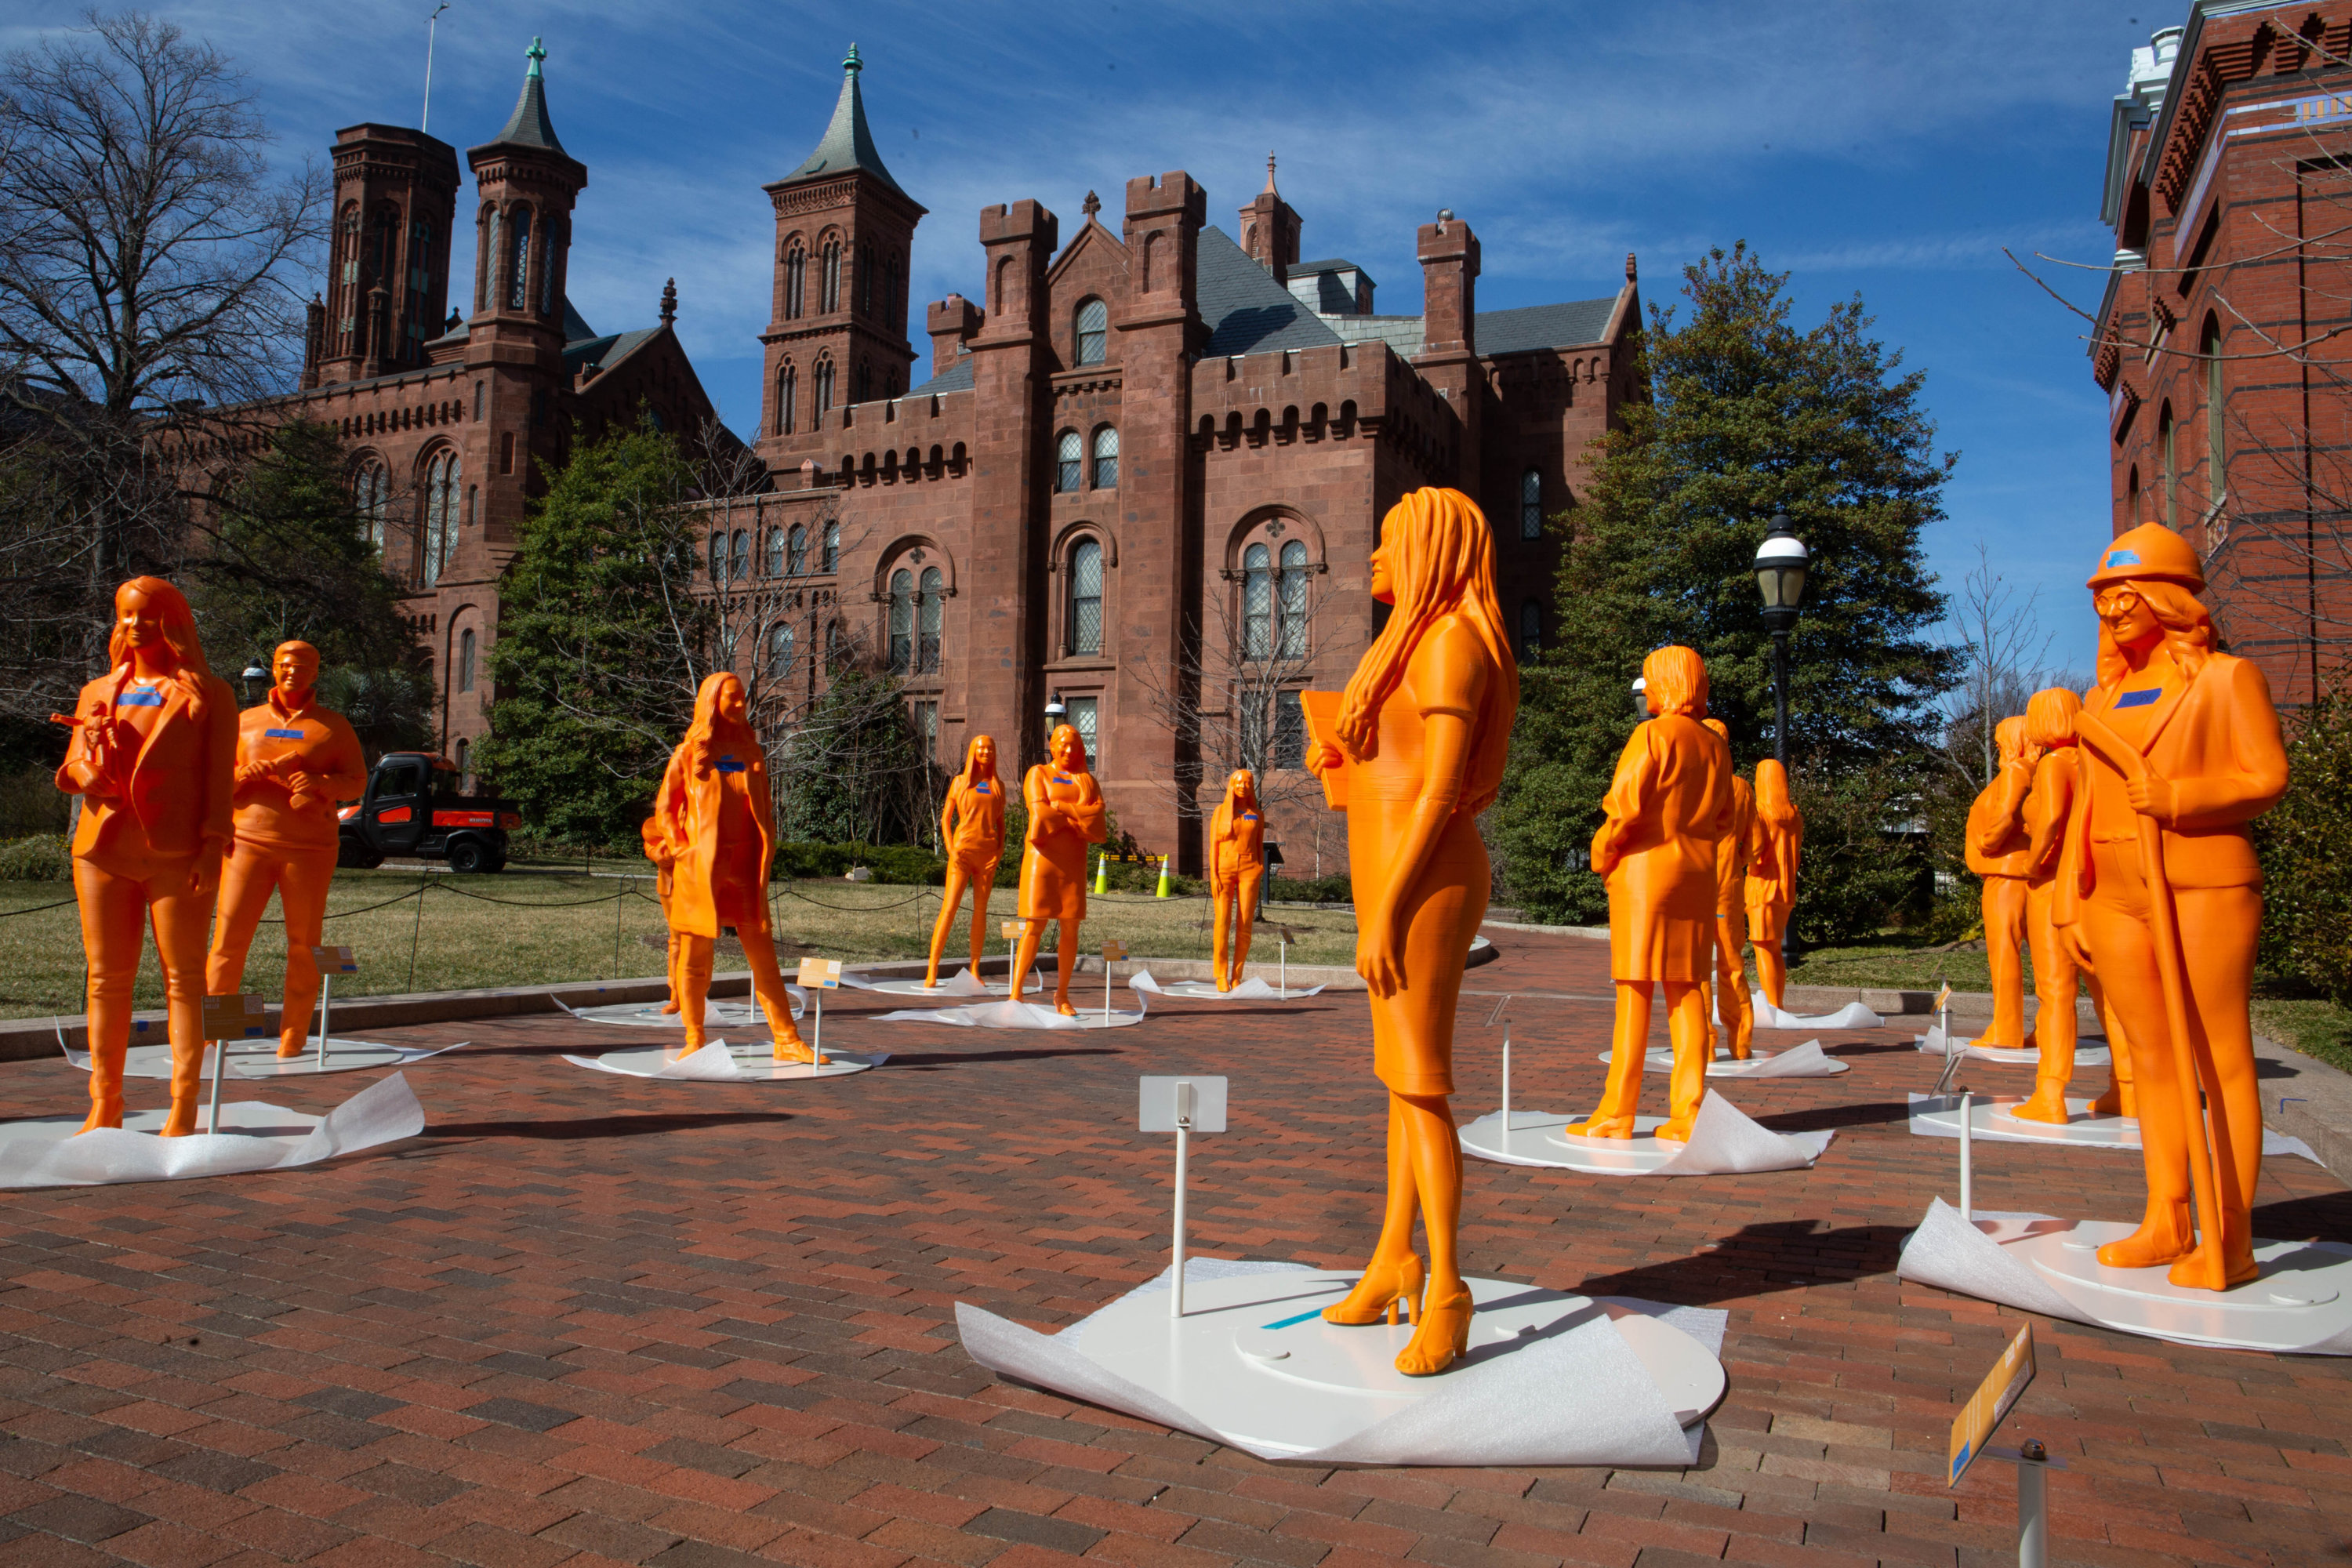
x=2152, y=794
x=1379, y=955
x=1323, y=756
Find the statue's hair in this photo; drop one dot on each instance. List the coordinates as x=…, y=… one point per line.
x=1674, y=681
x=1223, y=823
x=2187, y=630
x=2008, y=739
x=2049, y=718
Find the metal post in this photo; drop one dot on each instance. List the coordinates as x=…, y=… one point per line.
x=1507, y=1086
x=1781, y=697
x=1967, y=1149
x=220, y=1065
x=326, y=994
x=2033, y=1504
x=1105, y=993
x=1283, y=944
x=816, y=1047
x=1183, y=1132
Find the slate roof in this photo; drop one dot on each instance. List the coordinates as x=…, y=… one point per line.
x=957, y=377
x=1247, y=312
x=1569, y=325
x=529, y=125
x=847, y=143
x=610, y=348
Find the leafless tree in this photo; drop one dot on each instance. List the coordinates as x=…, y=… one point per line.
x=149, y=262
x=2005, y=656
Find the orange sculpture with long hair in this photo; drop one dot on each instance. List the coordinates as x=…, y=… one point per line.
x=1066, y=814
x=1775, y=842
x=2181, y=750
x=153, y=757
x=1734, y=1010
x=664, y=858
x=1236, y=876
x=719, y=826
x=1666, y=807
x=294, y=760
x=1996, y=850
x=1422, y=734
x=972, y=825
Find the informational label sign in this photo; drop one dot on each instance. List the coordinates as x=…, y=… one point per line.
x=821, y=974
x=334, y=961
x=239, y=1017
x=1943, y=997
x=1113, y=951
x=1195, y=1104
x=1991, y=1401
x=1013, y=931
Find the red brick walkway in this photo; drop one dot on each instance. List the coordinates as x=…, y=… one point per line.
x=584, y=1321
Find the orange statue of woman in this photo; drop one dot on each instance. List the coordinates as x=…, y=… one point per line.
x=294, y=760
x=1421, y=733
x=1066, y=814
x=153, y=757
x=664, y=858
x=1236, y=876
x=719, y=826
x=972, y=825
x=1733, y=1009
x=1773, y=847
x=1668, y=805
x=1996, y=850
x=2181, y=750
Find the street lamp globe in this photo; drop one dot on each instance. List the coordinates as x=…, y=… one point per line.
x=254, y=675
x=1781, y=562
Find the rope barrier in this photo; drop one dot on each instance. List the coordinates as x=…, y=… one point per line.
x=37, y=908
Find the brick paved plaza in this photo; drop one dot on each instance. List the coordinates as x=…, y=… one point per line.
x=585, y=1320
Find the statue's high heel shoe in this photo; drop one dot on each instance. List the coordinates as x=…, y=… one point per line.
x=1379, y=1291
x=1441, y=1336
x=1600, y=1127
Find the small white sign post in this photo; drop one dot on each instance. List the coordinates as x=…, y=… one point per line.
x=1113, y=950
x=817, y=976
x=331, y=962
x=1994, y=1398
x=237, y=1016
x=1182, y=1106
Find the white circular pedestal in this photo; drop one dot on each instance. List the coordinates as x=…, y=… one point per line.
x=1661, y=1059
x=1990, y=1118
x=944, y=991
x=2012, y=1056
x=246, y=1118
x=2303, y=1296
x=649, y=1015
x=1206, y=991
x=1536, y=1138
x=1253, y=1359
x=754, y=1062
x=260, y=1060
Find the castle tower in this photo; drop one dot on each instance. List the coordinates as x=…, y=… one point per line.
x=837, y=322
x=388, y=278
x=1270, y=229
x=528, y=184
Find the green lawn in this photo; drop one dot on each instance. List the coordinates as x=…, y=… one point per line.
x=540, y=926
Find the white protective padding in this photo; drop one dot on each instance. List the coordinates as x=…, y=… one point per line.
x=1575, y=1394
x=1934, y=1044
x=717, y=1062
x=2298, y=1304
x=1808, y=1060
x=1938, y=1116
x=726, y=1014
x=1012, y=1014
x=46, y=1153
x=1250, y=990
x=261, y=1060
x=1723, y=1142
x=964, y=983
x=1853, y=1016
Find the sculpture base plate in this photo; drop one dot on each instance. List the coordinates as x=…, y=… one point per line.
x=1006, y=1014
x=1661, y=1059
x=1253, y=1359
x=751, y=1062
x=1535, y=1138
x=946, y=990
x=1250, y=990
x=2086, y=1056
x=1938, y=1116
x=649, y=1015
x=44, y=1151
x=252, y=1059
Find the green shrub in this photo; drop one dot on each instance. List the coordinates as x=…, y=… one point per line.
x=1858, y=869
x=1334, y=890
x=898, y=865
x=2305, y=842
x=43, y=857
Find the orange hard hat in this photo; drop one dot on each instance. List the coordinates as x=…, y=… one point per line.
x=2152, y=553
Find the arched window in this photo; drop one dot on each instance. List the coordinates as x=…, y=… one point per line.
x=1257, y=602
x=518, y=280
x=466, y=762
x=775, y=552
x=547, y=252
x=866, y=279
x=2164, y=434
x=1293, y=599
x=441, y=515
x=2217, y=471
x=1094, y=332
x=779, y=651
x=1086, y=597
x=832, y=281
x=930, y=608
x=486, y=267
x=1530, y=628
x=743, y=567
x=1069, y=462
x=1106, y=458
x=465, y=660
x=902, y=621
x=788, y=391
x=1531, y=504
x=718, y=555
x=796, y=281
x=836, y=649
x=2131, y=498
x=823, y=387
x=796, y=552
x=831, y=546
x=371, y=492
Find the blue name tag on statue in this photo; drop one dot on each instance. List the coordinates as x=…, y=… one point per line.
x=729, y=765
x=2139, y=698
x=1059, y=779
x=285, y=734
x=980, y=789
x=1249, y=816
x=136, y=699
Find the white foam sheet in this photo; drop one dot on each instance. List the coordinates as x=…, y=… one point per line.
x=260, y=1060
x=1012, y=1014
x=1934, y=1042
x=1938, y=1116
x=1724, y=1141
x=254, y=1136
x=2300, y=1304
x=1808, y=1060
x=718, y=1062
x=1853, y=1016
x=1250, y=990
x=1576, y=1394
x=723, y=1014
x=965, y=984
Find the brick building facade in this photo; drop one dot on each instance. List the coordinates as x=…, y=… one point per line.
x=1129, y=466
x=2221, y=337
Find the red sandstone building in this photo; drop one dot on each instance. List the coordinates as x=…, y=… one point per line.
x=2222, y=338
x=1135, y=467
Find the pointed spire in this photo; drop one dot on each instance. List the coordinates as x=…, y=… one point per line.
x=1091, y=205
x=528, y=126
x=847, y=142
x=1269, y=190
x=670, y=302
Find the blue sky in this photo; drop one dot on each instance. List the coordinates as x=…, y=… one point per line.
x=1885, y=149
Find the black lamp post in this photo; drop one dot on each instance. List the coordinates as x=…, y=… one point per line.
x=1781, y=562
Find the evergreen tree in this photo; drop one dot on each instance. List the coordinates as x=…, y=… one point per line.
x=853, y=771
x=1741, y=415
x=600, y=641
